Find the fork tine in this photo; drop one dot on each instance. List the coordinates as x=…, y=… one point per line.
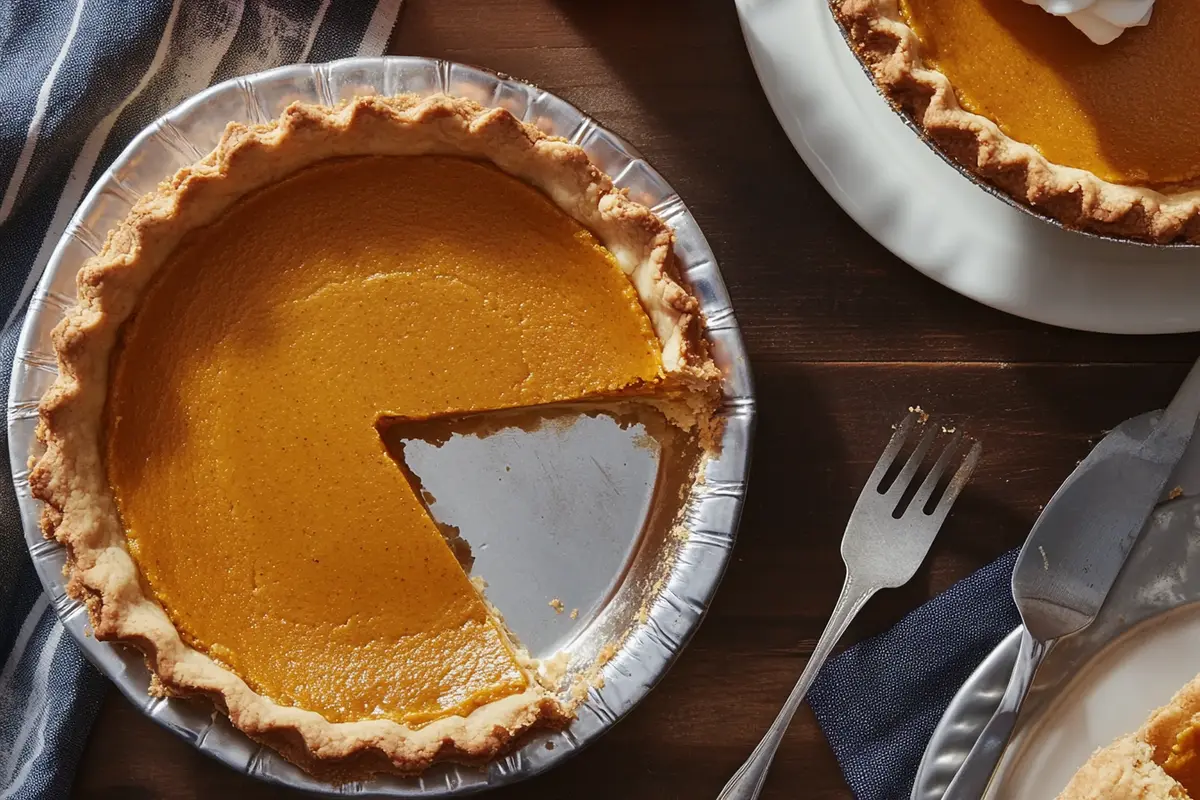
x=931, y=480
x=914, y=463
x=956, y=484
x=892, y=450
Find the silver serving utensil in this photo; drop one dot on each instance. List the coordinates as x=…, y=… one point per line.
x=1074, y=552
x=881, y=550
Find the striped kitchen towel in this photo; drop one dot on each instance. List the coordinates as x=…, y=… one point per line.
x=77, y=81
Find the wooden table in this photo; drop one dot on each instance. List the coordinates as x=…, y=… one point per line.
x=843, y=338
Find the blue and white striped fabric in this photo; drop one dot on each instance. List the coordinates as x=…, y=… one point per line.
x=77, y=81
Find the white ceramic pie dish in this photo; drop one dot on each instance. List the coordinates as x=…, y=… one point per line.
x=926, y=211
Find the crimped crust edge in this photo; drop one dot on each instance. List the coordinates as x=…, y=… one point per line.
x=1077, y=198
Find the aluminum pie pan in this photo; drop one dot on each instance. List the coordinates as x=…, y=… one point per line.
x=712, y=509
x=1155, y=581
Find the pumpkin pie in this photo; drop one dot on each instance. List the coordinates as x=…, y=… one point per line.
x=213, y=453
x=1099, y=137
x=1161, y=761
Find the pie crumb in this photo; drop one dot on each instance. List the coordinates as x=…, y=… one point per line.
x=1175, y=493
x=924, y=415
x=554, y=669
x=574, y=613
x=557, y=605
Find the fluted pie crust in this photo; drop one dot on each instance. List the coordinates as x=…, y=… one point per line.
x=1078, y=198
x=70, y=476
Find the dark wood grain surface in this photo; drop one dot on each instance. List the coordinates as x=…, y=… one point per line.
x=843, y=337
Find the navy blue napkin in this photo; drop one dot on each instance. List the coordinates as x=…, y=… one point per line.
x=78, y=79
x=879, y=701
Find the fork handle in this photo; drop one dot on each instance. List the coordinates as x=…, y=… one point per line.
x=748, y=781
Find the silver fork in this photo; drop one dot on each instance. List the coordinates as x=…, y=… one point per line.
x=881, y=551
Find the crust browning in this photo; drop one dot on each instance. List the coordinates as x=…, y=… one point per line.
x=70, y=476
x=1132, y=768
x=1075, y=197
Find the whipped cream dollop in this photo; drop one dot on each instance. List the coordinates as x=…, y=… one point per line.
x=1101, y=20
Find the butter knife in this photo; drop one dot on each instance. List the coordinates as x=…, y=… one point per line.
x=1074, y=552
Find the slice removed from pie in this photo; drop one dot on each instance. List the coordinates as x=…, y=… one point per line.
x=212, y=457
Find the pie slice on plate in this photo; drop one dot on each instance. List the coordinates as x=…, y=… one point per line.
x=1161, y=761
x=213, y=459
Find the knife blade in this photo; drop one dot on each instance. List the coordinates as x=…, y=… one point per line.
x=1075, y=551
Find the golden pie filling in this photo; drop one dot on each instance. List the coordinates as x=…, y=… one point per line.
x=260, y=503
x=1183, y=764
x=1118, y=110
